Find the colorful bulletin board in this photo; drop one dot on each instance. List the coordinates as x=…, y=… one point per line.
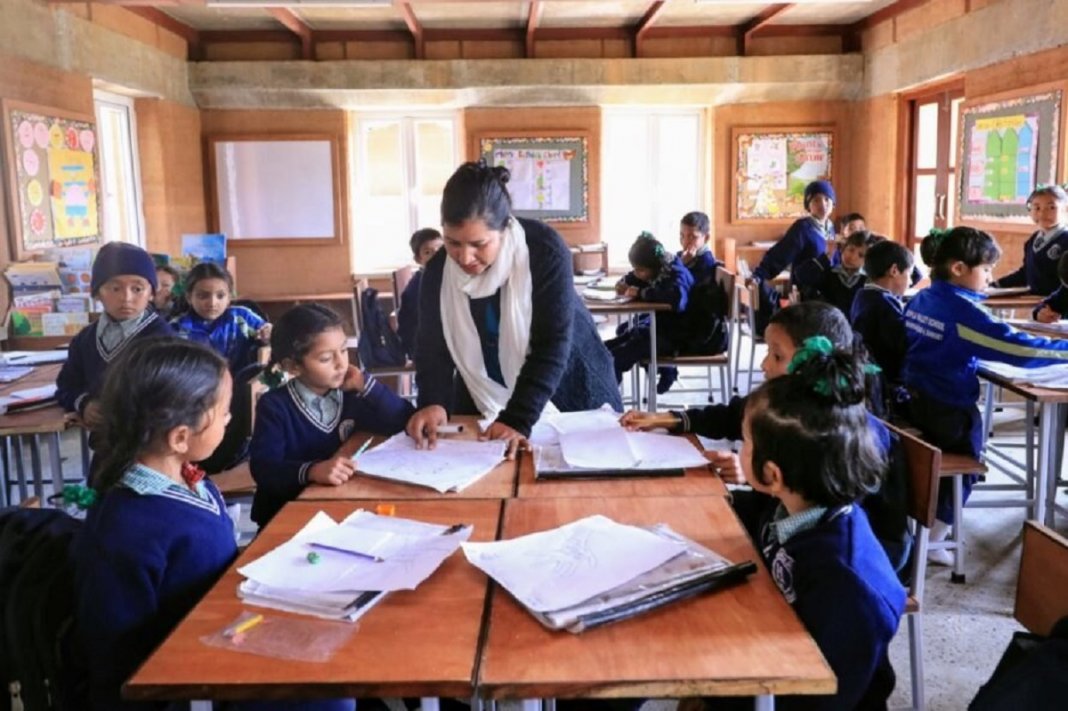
x=549, y=180
x=53, y=177
x=772, y=166
x=1009, y=144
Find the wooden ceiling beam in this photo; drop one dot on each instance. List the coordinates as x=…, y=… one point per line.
x=750, y=28
x=414, y=26
x=292, y=22
x=533, y=18
x=645, y=24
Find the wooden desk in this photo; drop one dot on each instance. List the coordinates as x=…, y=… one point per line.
x=740, y=641
x=1012, y=303
x=633, y=307
x=698, y=481
x=422, y=642
x=29, y=426
x=498, y=484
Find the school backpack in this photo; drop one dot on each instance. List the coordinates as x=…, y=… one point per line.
x=37, y=669
x=379, y=346
x=706, y=320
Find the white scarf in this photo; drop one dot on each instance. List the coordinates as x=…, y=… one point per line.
x=510, y=272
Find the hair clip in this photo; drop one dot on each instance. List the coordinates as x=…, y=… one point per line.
x=79, y=496
x=811, y=347
x=273, y=377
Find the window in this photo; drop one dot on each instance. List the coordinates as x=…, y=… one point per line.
x=119, y=173
x=402, y=164
x=651, y=176
x=933, y=180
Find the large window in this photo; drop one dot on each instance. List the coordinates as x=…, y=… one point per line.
x=402, y=164
x=119, y=173
x=651, y=176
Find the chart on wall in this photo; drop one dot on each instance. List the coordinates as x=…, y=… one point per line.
x=1008, y=148
x=54, y=179
x=548, y=175
x=773, y=167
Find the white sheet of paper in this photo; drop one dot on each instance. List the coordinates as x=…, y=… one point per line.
x=33, y=357
x=604, y=449
x=602, y=418
x=561, y=567
x=287, y=565
x=378, y=537
x=663, y=451
x=1053, y=377
x=43, y=391
x=450, y=466
x=1057, y=328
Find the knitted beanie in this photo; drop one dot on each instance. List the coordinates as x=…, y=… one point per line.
x=819, y=187
x=120, y=259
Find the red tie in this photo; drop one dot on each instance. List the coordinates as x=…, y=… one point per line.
x=192, y=474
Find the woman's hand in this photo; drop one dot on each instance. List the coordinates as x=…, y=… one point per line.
x=423, y=425
x=499, y=430
x=727, y=466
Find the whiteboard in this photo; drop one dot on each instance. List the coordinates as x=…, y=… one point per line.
x=275, y=189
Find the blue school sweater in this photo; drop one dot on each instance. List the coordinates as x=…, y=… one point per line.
x=878, y=317
x=287, y=440
x=702, y=267
x=142, y=561
x=806, y=239
x=672, y=286
x=567, y=362
x=839, y=582
x=948, y=331
x=232, y=335
x=821, y=281
x=82, y=375
x=1039, y=270
x=408, y=316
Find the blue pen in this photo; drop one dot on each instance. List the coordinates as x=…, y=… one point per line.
x=363, y=447
x=346, y=551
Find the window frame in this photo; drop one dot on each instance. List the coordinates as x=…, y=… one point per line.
x=109, y=99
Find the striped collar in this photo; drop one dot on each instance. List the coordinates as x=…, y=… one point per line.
x=149, y=482
x=314, y=406
x=130, y=328
x=785, y=526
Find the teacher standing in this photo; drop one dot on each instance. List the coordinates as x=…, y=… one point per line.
x=502, y=332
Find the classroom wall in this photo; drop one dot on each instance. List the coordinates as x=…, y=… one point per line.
x=289, y=269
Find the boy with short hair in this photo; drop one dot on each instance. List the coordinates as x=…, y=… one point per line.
x=878, y=313
x=425, y=243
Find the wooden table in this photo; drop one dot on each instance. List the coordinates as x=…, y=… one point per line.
x=697, y=481
x=414, y=643
x=1013, y=303
x=743, y=641
x=623, y=306
x=498, y=484
x=51, y=421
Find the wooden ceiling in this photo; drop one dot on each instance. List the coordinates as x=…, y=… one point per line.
x=311, y=21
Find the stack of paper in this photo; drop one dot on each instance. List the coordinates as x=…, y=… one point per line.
x=28, y=398
x=1051, y=377
x=1057, y=328
x=33, y=357
x=338, y=571
x=11, y=373
x=450, y=466
x=595, y=571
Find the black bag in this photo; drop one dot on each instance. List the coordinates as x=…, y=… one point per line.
x=1032, y=674
x=37, y=603
x=379, y=346
x=706, y=320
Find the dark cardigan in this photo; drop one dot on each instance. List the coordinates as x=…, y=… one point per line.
x=567, y=363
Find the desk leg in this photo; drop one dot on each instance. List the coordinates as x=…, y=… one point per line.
x=651, y=375
x=57, y=463
x=38, y=473
x=530, y=705
x=1047, y=457
x=24, y=492
x=764, y=703
x=429, y=703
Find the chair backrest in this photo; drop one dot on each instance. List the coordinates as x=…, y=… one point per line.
x=923, y=462
x=358, y=285
x=726, y=280
x=1040, y=589
x=401, y=277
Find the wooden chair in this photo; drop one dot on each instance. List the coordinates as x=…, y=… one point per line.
x=956, y=466
x=748, y=297
x=924, y=463
x=1040, y=598
x=722, y=361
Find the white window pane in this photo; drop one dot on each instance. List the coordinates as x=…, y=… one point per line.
x=927, y=136
x=678, y=174
x=951, y=199
x=385, y=167
x=435, y=160
x=382, y=234
x=428, y=212
x=627, y=196
x=954, y=115
x=122, y=220
x=924, y=204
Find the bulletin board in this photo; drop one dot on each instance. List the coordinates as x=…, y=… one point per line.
x=1009, y=144
x=549, y=176
x=53, y=178
x=772, y=166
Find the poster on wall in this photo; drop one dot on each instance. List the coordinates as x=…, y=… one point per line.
x=772, y=167
x=549, y=178
x=1008, y=146
x=53, y=178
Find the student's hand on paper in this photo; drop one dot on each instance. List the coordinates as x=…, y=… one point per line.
x=727, y=466
x=332, y=472
x=499, y=430
x=1047, y=315
x=632, y=292
x=635, y=420
x=264, y=334
x=353, y=379
x=423, y=426
x=621, y=287
x=92, y=415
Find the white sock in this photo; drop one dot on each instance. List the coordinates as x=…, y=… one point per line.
x=939, y=531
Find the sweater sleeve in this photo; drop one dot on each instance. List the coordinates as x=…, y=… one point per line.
x=434, y=367
x=1016, y=278
x=550, y=329
x=673, y=289
x=378, y=409
x=716, y=421
x=811, y=277
x=1057, y=301
x=408, y=315
x=992, y=339
x=280, y=476
x=782, y=254
x=72, y=386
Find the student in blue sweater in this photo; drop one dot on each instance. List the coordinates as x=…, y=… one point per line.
x=123, y=279
x=696, y=255
x=836, y=284
x=1048, y=206
x=809, y=455
x=425, y=243
x=159, y=536
x=806, y=239
x=948, y=331
x=660, y=277
x=878, y=312
x=301, y=425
